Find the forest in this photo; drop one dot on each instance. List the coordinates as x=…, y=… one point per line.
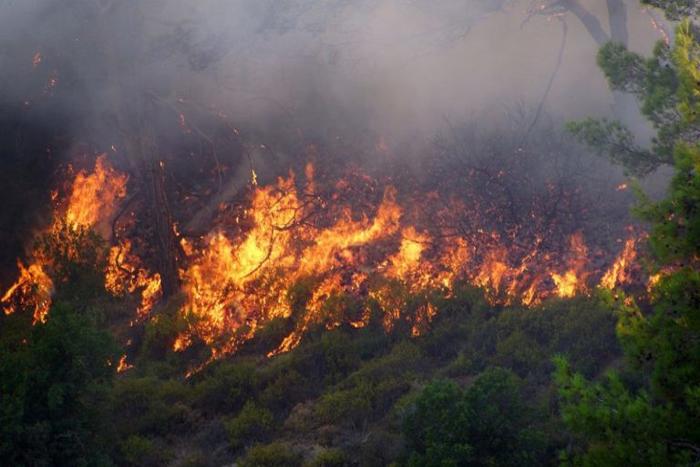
x=333, y=233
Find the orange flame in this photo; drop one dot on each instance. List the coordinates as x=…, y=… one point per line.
x=94, y=197
x=618, y=274
x=234, y=284
x=573, y=281
x=125, y=274
x=33, y=287
x=123, y=365
x=91, y=203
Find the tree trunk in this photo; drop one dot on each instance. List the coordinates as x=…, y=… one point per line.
x=134, y=116
x=156, y=216
x=164, y=240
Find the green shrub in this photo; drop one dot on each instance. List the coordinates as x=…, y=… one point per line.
x=380, y=447
x=339, y=356
x=488, y=424
x=161, y=331
x=271, y=455
x=347, y=406
x=149, y=406
x=285, y=390
x=328, y=458
x=253, y=423
x=226, y=387
x=139, y=451
x=52, y=390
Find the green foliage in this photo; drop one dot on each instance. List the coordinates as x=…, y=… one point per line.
x=620, y=426
x=328, y=458
x=226, y=387
x=615, y=141
x=52, y=389
x=149, y=406
x=666, y=86
x=252, y=423
x=271, y=455
x=348, y=406
x=437, y=430
x=339, y=356
x=139, y=451
x=73, y=252
x=676, y=9
x=161, y=331
x=654, y=420
x=286, y=389
x=488, y=424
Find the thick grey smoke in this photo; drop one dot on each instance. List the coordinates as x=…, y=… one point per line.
x=80, y=76
x=396, y=67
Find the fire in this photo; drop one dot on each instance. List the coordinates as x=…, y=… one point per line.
x=618, y=274
x=94, y=197
x=37, y=59
x=658, y=27
x=34, y=288
x=573, y=281
x=407, y=259
x=492, y=271
x=298, y=252
x=91, y=202
x=125, y=274
x=123, y=365
x=232, y=283
x=235, y=282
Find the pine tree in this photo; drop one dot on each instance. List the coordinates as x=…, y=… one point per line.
x=648, y=414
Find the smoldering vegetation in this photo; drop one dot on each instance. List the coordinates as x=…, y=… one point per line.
x=226, y=87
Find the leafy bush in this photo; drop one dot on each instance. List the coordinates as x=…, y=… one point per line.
x=286, y=389
x=328, y=458
x=271, y=455
x=139, y=451
x=53, y=387
x=149, y=406
x=347, y=406
x=253, y=423
x=488, y=424
x=226, y=387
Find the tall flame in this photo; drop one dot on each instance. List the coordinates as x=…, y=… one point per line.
x=33, y=287
x=618, y=274
x=92, y=201
x=94, y=197
x=573, y=280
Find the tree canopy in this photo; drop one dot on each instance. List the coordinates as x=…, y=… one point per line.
x=647, y=414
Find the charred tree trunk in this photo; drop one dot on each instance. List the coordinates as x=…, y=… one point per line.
x=135, y=120
x=134, y=114
x=156, y=216
x=617, y=21
x=163, y=236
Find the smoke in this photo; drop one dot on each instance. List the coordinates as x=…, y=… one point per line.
x=80, y=76
x=396, y=68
